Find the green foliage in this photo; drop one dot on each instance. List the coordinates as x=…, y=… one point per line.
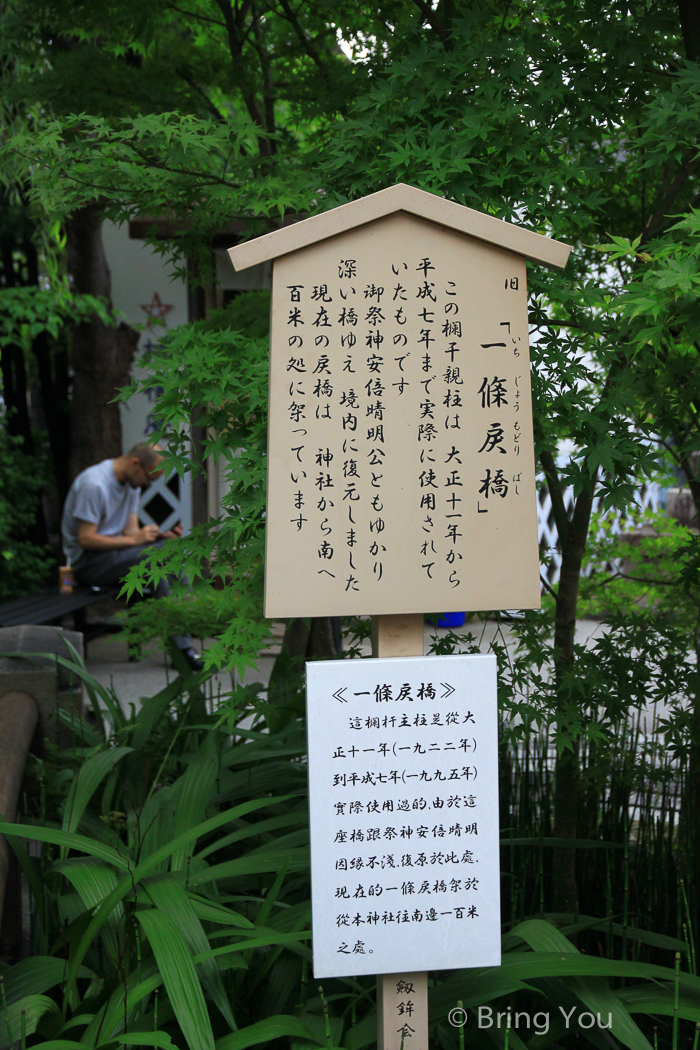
x=195, y=59
x=650, y=569
x=157, y=884
x=171, y=164
x=24, y=567
x=660, y=314
x=207, y=364
x=199, y=113
x=170, y=899
x=605, y=136
x=248, y=313
x=579, y=120
x=28, y=312
x=440, y=120
x=637, y=661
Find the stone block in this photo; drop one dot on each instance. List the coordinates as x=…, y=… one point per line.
x=680, y=505
x=50, y=684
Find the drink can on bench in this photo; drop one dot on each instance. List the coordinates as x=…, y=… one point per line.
x=65, y=579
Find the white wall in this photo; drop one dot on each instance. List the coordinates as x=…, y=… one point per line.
x=138, y=274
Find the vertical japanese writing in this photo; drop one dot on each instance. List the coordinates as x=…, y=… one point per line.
x=454, y=458
x=406, y=420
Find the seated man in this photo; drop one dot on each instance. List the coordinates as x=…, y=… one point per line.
x=102, y=538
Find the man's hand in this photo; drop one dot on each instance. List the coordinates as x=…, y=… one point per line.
x=146, y=534
x=172, y=534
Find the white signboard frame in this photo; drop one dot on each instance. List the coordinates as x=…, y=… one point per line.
x=403, y=784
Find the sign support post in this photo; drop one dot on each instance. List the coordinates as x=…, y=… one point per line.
x=402, y=998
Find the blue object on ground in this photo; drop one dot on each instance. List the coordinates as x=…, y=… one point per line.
x=452, y=620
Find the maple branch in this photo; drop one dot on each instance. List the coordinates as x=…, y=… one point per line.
x=561, y=519
x=431, y=18
x=303, y=38
x=659, y=217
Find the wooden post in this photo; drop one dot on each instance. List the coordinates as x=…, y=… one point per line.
x=19, y=714
x=402, y=998
x=397, y=635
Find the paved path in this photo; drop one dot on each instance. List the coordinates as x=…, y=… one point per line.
x=107, y=660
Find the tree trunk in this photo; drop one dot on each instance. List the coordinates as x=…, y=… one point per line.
x=102, y=355
x=303, y=640
x=689, y=14
x=566, y=770
x=199, y=480
x=573, y=535
x=15, y=388
x=12, y=363
x=54, y=388
x=14, y=394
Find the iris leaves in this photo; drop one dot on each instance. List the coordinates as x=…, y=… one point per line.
x=170, y=916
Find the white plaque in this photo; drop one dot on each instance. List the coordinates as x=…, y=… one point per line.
x=403, y=778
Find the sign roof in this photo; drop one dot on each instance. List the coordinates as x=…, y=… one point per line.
x=416, y=202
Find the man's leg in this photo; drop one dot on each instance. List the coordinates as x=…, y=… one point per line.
x=108, y=569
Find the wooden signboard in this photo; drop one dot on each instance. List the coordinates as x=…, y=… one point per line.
x=401, y=480
x=403, y=761
x=401, y=473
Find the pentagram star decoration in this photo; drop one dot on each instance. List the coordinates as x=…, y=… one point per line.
x=156, y=310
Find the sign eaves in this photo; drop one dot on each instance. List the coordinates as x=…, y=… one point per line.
x=416, y=202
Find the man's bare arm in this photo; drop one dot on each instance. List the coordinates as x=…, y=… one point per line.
x=132, y=525
x=91, y=540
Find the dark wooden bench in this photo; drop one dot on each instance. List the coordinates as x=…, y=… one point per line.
x=51, y=606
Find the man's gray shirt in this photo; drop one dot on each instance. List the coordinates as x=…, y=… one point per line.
x=96, y=496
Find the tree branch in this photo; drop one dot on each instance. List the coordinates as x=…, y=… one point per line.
x=184, y=75
x=431, y=18
x=234, y=27
x=303, y=38
x=659, y=217
x=554, y=486
x=547, y=586
x=196, y=16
